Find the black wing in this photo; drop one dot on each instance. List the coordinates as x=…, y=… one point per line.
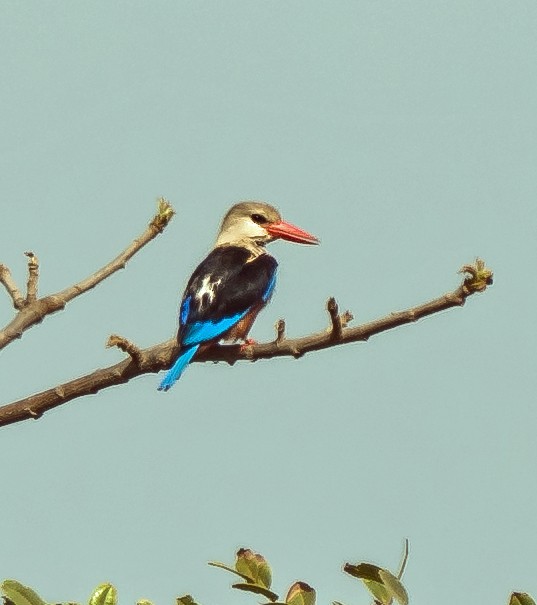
x=221, y=291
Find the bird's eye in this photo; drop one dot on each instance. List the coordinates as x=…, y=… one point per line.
x=259, y=219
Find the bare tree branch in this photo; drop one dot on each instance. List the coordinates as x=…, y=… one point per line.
x=32, y=310
x=161, y=356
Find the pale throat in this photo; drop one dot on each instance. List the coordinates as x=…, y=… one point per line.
x=249, y=236
x=255, y=248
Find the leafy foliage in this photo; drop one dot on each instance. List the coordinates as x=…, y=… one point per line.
x=186, y=600
x=253, y=568
x=521, y=598
x=18, y=594
x=256, y=575
x=381, y=583
x=104, y=594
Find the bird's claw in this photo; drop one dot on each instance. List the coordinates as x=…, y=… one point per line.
x=248, y=342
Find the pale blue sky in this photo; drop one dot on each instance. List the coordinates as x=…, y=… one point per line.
x=403, y=135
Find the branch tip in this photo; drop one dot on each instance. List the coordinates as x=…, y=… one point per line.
x=280, y=331
x=336, y=328
x=33, y=276
x=163, y=216
x=114, y=340
x=478, y=277
x=11, y=287
x=346, y=318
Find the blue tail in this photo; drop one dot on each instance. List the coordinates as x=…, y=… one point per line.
x=174, y=373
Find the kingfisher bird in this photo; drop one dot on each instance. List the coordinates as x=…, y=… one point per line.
x=234, y=282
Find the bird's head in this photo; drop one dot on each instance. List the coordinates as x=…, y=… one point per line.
x=259, y=223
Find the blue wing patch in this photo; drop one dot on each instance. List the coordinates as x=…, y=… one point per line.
x=270, y=287
x=185, y=310
x=202, y=331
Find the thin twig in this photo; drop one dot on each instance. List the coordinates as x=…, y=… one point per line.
x=34, y=311
x=333, y=310
x=280, y=331
x=114, y=340
x=161, y=356
x=158, y=222
x=33, y=277
x=346, y=317
x=6, y=279
x=404, y=561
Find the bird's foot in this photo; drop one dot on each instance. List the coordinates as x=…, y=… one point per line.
x=247, y=348
x=248, y=342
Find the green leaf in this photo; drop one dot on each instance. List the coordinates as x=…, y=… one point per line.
x=185, y=600
x=521, y=598
x=264, y=573
x=378, y=590
x=300, y=593
x=251, y=567
x=245, y=564
x=254, y=566
x=19, y=594
x=104, y=594
x=144, y=602
x=394, y=586
x=257, y=589
x=381, y=583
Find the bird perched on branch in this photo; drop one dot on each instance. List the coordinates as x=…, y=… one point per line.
x=233, y=283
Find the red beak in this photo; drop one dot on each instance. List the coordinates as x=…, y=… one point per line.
x=291, y=233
